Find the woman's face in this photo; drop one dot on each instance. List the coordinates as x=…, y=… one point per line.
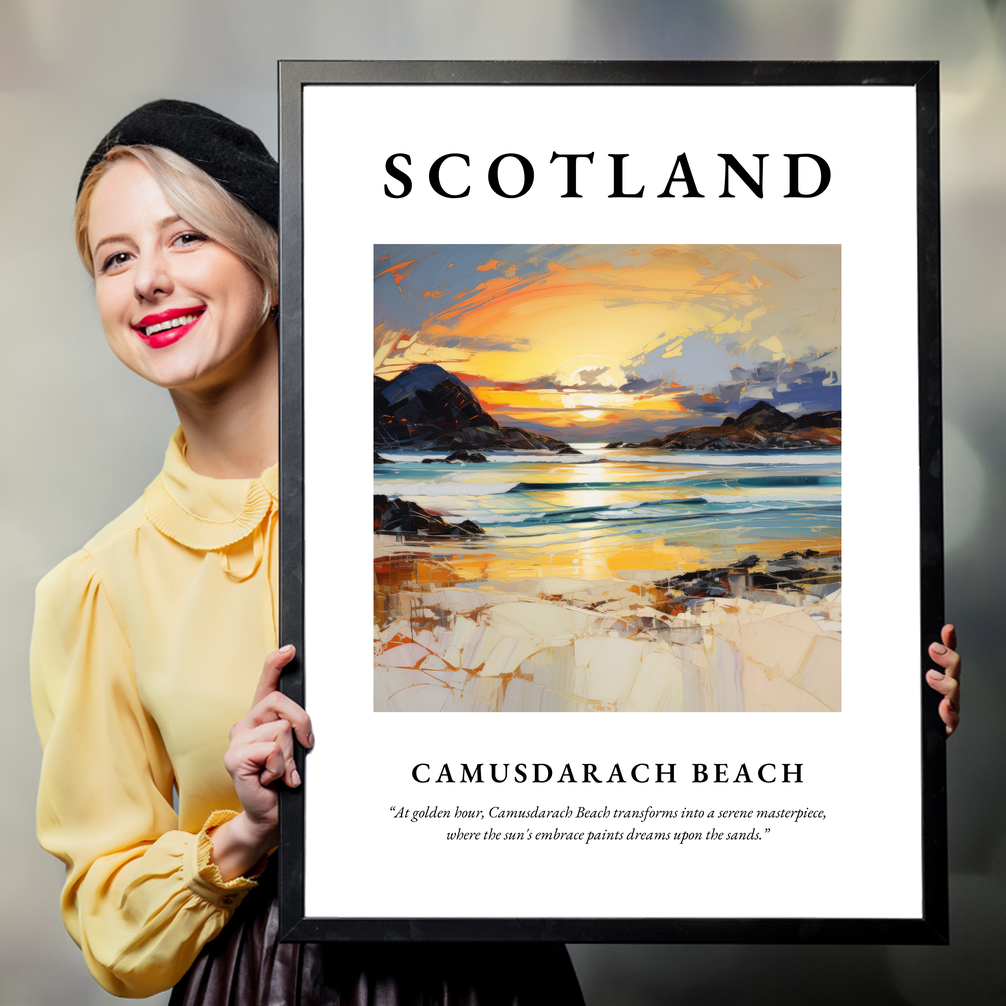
x=177, y=308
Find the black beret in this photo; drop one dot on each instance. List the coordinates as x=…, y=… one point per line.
x=231, y=154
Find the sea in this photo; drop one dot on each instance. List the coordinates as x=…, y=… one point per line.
x=641, y=511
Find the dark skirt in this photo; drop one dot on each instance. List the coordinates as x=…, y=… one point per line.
x=246, y=965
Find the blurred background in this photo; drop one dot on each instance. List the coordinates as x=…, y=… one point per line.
x=83, y=437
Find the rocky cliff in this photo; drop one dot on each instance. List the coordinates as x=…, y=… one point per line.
x=427, y=408
x=762, y=427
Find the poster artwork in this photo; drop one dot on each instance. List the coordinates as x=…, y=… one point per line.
x=607, y=478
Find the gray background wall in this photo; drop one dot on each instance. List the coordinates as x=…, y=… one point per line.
x=81, y=436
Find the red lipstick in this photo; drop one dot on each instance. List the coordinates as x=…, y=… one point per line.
x=166, y=326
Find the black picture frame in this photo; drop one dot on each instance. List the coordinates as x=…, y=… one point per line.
x=931, y=927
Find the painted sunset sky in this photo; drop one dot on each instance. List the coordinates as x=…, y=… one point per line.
x=595, y=342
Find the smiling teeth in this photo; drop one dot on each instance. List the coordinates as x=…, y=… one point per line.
x=174, y=323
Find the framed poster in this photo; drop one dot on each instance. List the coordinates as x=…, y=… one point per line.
x=615, y=625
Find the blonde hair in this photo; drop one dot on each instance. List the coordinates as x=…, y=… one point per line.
x=199, y=200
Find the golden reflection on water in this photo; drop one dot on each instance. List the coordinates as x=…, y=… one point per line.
x=584, y=473
x=586, y=554
x=597, y=551
x=575, y=499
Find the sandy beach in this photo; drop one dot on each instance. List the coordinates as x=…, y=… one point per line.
x=449, y=637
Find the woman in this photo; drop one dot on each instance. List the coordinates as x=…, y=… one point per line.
x=148, y=643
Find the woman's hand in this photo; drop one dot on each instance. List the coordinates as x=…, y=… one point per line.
x=260, y=753
x=947, y=682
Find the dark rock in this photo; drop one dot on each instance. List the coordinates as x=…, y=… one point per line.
x=762, y=416
x=505, y=438
x=477, y=458
x=378, y=460
x=761, y=427
x=798, y=574
x=706, y=588
x=697, y=582
x=790, y=574
x=422, y=403
x=458, y=456
x=427, y=408
x=400, y=516
x=568, y=450
x=610, y=447
x=821, y=420
x=716, y=444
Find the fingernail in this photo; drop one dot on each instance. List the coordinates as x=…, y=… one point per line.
x=295, y=777
x=936, y=676
x=286, y=649
x=310, y=740
x=938, y=648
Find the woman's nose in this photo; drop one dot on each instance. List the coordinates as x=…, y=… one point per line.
x=152, y=277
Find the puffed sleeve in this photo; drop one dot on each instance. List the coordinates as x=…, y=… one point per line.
x=141, y=897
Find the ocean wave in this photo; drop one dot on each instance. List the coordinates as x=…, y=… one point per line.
x=443, y=488
x=622, y=485
x=505, y=458
x=789, y=501
x=697, y=485
x=646, y=512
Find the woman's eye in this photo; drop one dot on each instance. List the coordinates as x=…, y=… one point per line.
x=190, y=238
x=114, y=261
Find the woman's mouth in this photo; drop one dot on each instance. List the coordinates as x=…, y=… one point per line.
x=158, y=330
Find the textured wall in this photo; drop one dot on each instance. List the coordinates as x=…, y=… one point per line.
x=82, y=437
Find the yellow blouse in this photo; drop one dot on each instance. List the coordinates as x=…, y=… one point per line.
x=147, y=647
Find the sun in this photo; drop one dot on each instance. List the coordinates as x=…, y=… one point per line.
x=601, y=378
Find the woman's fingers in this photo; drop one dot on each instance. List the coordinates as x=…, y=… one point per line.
x=950, y=716
x=260, y=761
x=947, y=658
x=277, y=706
x=949, y=710
x=949, y=688
x=949, y=636
x=271, y=670
x=261, y=749
x=276, y=735
x=947, y=681
x=270, y=703
x=274, y=767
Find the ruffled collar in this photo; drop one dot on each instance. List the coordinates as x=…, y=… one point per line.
x=203, y=513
